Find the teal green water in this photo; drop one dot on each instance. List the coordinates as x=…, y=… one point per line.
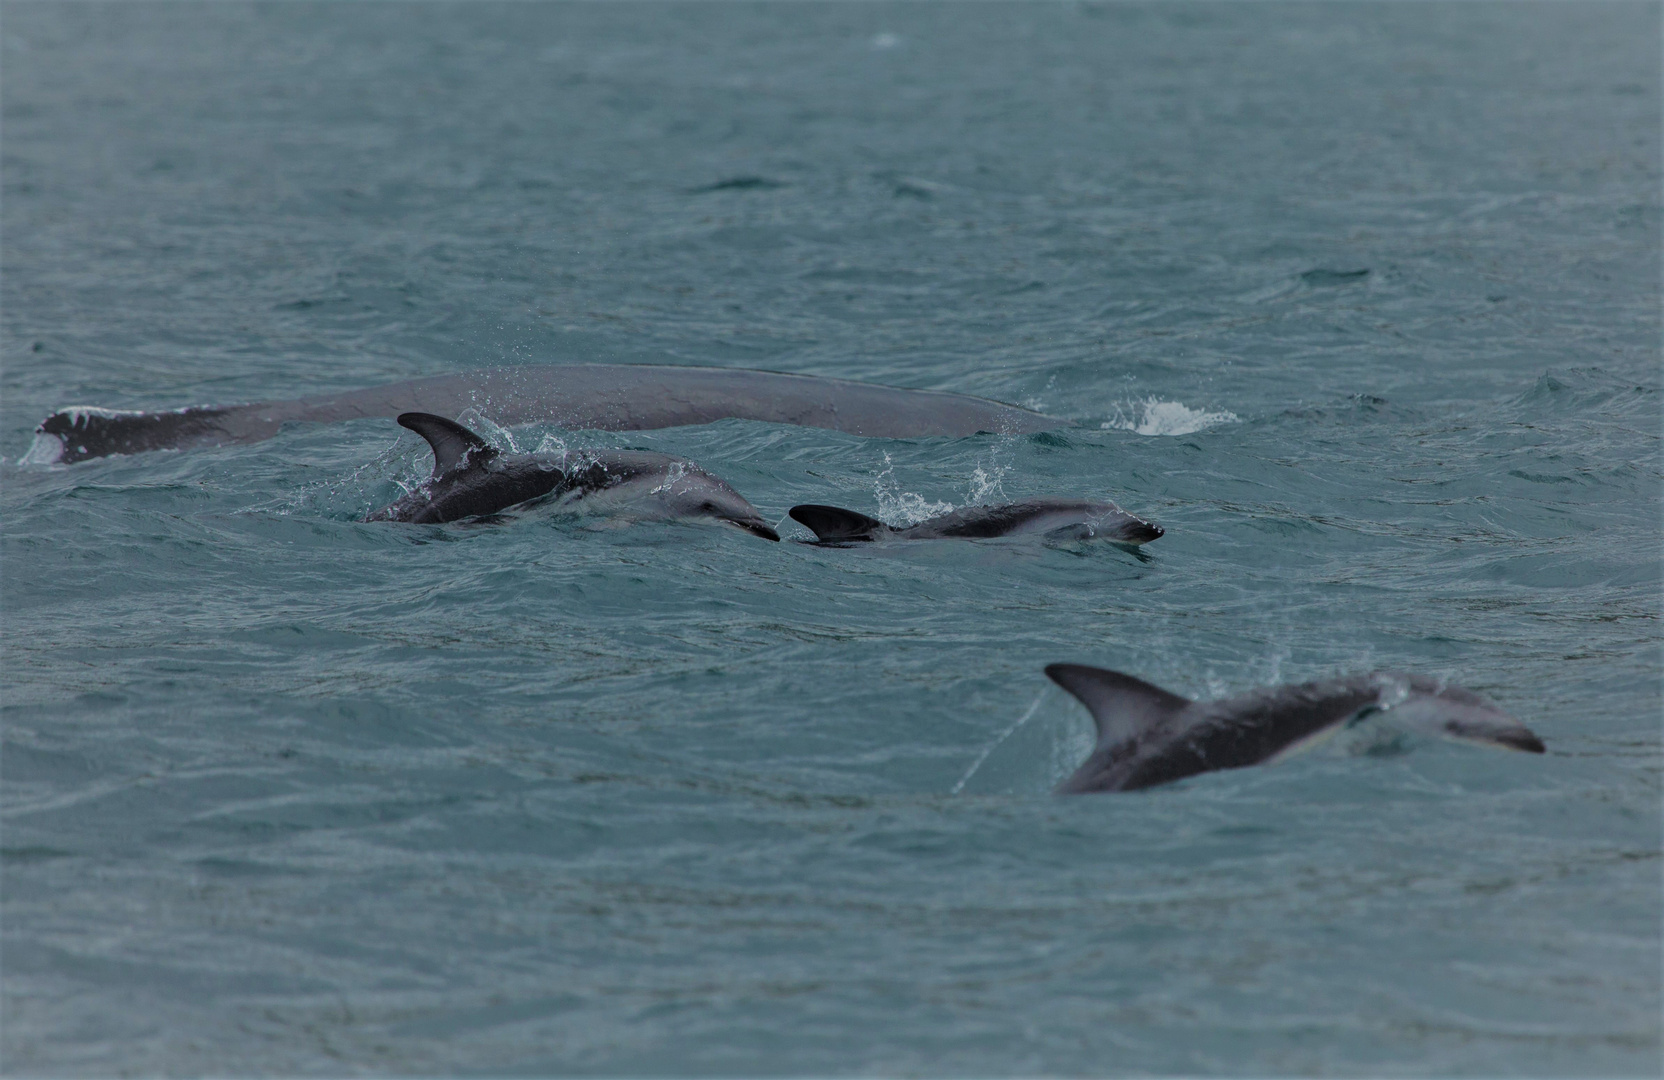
x=1360, y=302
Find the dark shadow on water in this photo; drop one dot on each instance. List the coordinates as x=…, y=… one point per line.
x=739, y=183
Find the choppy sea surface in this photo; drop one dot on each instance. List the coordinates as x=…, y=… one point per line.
x=1360, y=302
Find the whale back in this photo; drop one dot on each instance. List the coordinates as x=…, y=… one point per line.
x=609, y=397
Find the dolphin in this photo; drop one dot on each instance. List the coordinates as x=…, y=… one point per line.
x=1148, y=736
x=1054, y=519
x=471, y=478
x=609, y=397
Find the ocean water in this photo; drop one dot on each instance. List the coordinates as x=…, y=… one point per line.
x=1361, y=302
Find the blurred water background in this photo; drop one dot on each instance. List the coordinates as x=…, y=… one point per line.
x=1360, y=301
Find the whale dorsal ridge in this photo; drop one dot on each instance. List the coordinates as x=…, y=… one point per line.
x=1121, y=706
x=449, y=439
x=831, y=523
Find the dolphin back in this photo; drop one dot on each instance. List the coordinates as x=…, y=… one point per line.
x=1055, y=519
x=1147, y=736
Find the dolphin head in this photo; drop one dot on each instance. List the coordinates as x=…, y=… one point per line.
x=1121, y=527
x=1438, y=708
x=1134, y=531
x=694, y=493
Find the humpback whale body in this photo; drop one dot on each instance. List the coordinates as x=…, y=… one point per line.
x=1054, y=519
x=1148, y=736
x=471, y=478
x=610, y=397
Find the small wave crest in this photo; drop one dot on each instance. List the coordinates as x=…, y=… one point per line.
x=1154, y=417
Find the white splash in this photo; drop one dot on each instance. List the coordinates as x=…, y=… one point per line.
x=1153, y=417
x=553, y=445
x=45, y=450
x=985, y=485
x=672, y=476
x=989, y=483
x=78, y=413
x=902, y=508
x=487, y=429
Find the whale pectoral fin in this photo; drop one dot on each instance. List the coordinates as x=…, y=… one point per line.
x=831, y=523
x=1122, y=707
x=449, y=439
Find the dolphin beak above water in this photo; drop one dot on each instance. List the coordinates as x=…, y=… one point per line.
x=1144, y=532
x=755, y=528
x=1521, y=740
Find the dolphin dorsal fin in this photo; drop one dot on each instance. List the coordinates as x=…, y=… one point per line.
x=831, y=523
x=1122, y=707
x=449, y=439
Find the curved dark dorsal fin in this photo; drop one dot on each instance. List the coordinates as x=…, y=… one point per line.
x=1123, y=707
x=831, y=523
x=449, y=439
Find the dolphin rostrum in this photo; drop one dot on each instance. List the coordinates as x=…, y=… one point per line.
x=471, y=478
x=1055, y=519
x=1148, y=736
x=609, y=397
